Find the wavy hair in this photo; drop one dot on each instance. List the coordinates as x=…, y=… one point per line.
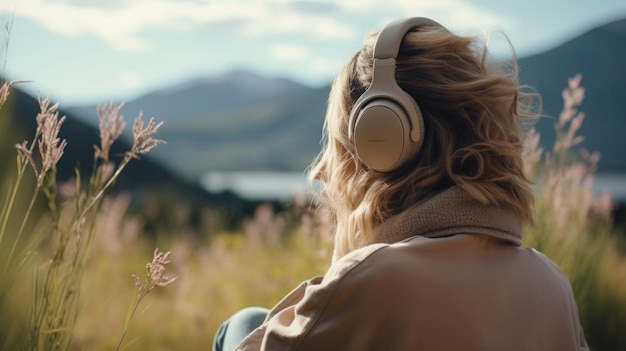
x=472, y=108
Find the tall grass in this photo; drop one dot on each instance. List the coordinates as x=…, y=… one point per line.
x=62, y=244
x=218, y=273
x=573, y=225
x=216, y=276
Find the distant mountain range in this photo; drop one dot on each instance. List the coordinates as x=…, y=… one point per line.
x=242, y=121
x=151, y=185
x=236, y=121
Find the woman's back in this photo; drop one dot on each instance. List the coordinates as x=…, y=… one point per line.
x=463, y=292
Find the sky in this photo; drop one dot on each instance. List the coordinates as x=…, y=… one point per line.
x=97, y=51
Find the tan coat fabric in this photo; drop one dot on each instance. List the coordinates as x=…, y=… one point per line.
x=448, y=275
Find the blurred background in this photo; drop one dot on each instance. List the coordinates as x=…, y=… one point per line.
x=241, y=87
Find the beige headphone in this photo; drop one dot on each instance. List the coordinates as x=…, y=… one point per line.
x=386, y=125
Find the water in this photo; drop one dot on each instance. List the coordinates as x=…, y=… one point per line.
x=285, y=185
x=614, y=183
x=257, y=185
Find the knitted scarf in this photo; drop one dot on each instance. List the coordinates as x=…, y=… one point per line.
x=450, y=212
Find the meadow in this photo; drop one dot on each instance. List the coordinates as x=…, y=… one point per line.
x=84, y=274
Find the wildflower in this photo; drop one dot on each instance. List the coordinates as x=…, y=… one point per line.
x=156, y=269
x=156, y=274
x=156, y=277
x=573, y=97
x=50, y=146
x=111, y=126
x=567, y=187
x=142, y=137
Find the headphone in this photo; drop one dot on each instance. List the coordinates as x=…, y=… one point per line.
x=386, y=125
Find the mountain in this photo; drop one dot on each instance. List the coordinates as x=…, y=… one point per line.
x=152, y=185
x=243, y=121
x=236, y=121
x=599, y=55
x=203, y=98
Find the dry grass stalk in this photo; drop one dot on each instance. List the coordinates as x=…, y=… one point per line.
x=50, y=146
x=5, y=90
x=574, y=225
x=156, y=272
x=111, y=125
x=55, y=310
x=142, y=137
x=50, y=151
x=566, y=180
x=155, y=277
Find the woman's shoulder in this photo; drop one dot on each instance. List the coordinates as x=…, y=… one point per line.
x=442, y=262
x=413, y=259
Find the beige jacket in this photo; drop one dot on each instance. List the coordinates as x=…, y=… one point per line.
x=447, y=275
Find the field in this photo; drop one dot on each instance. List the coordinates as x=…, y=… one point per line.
x=66, y=272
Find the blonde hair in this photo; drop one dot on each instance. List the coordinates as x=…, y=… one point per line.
x=471, y=107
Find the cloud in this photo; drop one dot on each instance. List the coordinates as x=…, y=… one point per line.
x=289, y=52
x=314, y=7
x=129, y=79
x=125, y=25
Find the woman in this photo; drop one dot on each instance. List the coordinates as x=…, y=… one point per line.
x=423, y=170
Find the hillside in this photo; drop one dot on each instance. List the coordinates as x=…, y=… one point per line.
x=599, y=55
x=151, y=185
x=242, y=121
x=236, y=121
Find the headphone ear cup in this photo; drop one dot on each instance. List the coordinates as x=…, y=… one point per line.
x=382, y=136
x=386, y=124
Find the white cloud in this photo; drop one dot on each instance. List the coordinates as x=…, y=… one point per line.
x=460, y=14
x=291, y=22
x=129, y=79
x=289, y=52
x=123, y=24
x=325, y=66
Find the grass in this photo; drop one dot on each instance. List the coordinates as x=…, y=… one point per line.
x=216, y=272
x=573, y=227
x=213, y=281
x=58, y=250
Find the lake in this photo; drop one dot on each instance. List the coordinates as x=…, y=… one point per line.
x=257, y=185
x=284, y=185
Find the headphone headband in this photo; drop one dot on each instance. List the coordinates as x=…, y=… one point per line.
x=385, y=123
x=390, y=37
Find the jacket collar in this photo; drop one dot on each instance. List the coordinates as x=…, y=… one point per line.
x=450, y=212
